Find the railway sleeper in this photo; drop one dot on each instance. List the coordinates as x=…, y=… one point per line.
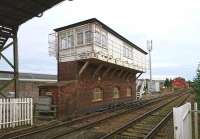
x=135, y=135
x=64, y=129
x=150, y=117
x=133, y=130
x=152, y=122
x=145, y=127
x=161, y=134
x=122, y=137
x=158, y=115
x=142, y=128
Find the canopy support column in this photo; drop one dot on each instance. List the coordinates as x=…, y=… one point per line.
x=5, y=35
x=16, y=64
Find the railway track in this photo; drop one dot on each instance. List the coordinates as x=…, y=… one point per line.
x=80, y=123
x=33, y=130
x=147, y=125
x=166, y=131
x=98, y=129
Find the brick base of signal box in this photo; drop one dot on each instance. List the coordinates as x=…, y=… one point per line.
x=73, y=93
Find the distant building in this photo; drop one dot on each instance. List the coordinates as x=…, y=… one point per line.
x=179, y=83
x=28, y=84
x=155, y=85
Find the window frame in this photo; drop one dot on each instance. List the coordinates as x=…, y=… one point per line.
x=62, y=40
x=90, y=37
x=129, y=94
x=77, y=39
x=127, y=52
x=97, y=95
x=71, y=42
x=104, y=43
x=114, y=93
x=62, y=43
x=98, y=37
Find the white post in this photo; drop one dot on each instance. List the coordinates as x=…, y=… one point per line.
x=25, y=111
x=31, y=110
x=23, y=103
x=189, y=121
x=7, y=112
x=20, y=110
x=4, y=111
x=10, y=112
x=195, y=120
x=28, y=121
x=17, y=111
x=14, y=112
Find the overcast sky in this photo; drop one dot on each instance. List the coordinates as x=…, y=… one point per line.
x=173, y=25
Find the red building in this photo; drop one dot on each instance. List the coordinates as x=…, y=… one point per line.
x=96, y=66
x=179, y=82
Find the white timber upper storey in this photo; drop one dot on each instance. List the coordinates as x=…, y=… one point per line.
x=93, y=40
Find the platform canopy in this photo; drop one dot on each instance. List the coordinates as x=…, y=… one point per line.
x=13, y=13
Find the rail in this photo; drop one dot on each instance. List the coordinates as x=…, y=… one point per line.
x=124, y=127
x=99, y=121
x=129, y=107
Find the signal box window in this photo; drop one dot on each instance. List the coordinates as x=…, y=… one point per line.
x=116, y=92
x=128, y=92
x=80, y=38
x=70, y=42
x=98, y=37
x=62, y=42
x=104, y=41
x=88, y=37
x=97, y=95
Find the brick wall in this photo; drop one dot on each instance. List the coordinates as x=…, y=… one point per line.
x=67, y=71
x=86, y=88
x=73, y=94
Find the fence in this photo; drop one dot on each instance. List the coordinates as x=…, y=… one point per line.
x=182, y=117
x=15, y=112
x=182, y=122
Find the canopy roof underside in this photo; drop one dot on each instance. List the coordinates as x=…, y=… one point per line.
x=15, y=12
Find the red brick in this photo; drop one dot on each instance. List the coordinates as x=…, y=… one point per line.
x=73, y=94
